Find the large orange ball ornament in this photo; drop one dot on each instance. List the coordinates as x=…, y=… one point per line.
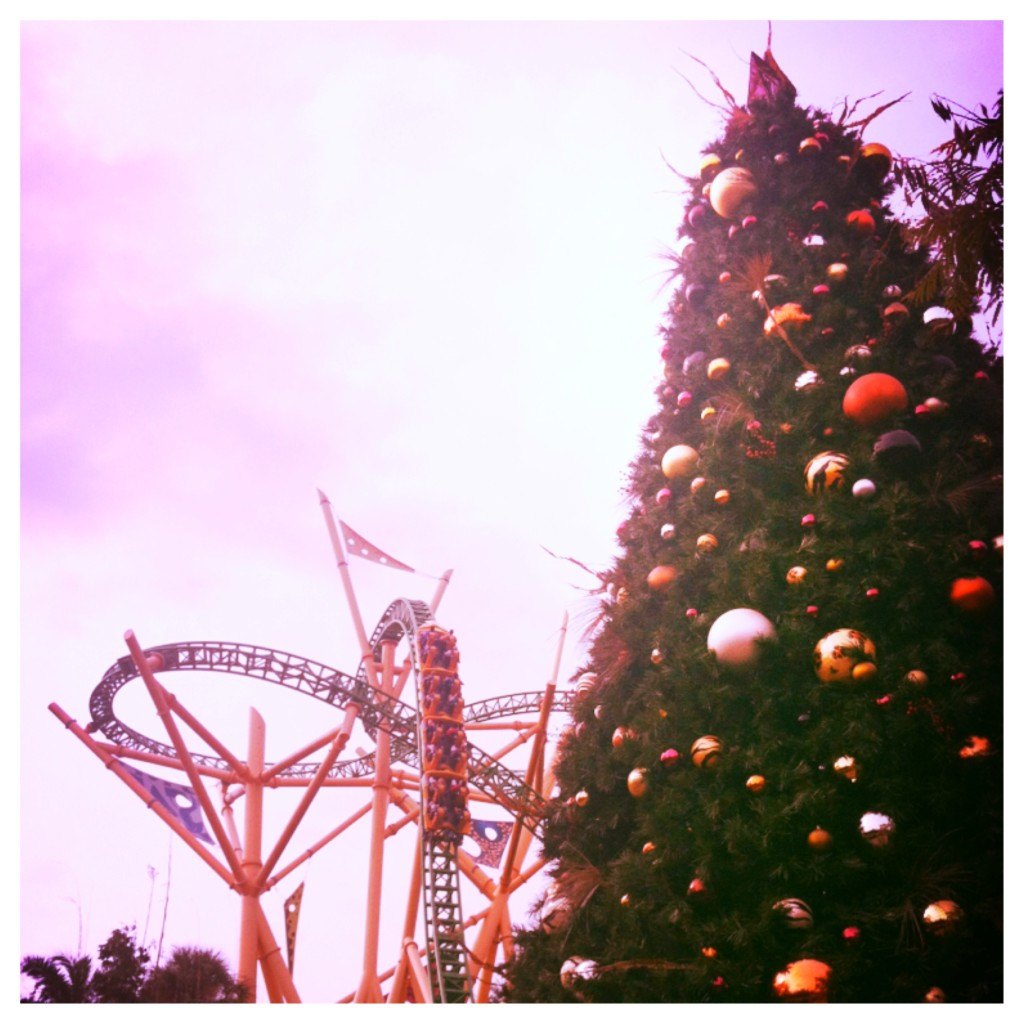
x=876, y=159
x=706, y=751
x=660, y=577
x=874, y=398
x=803, y=981
x=972, y=594
x=732, y=192
x=861, y=223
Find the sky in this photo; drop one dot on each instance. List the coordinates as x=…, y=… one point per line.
x=418, y=265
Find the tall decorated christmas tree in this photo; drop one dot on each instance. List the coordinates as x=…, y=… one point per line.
x=783, y=779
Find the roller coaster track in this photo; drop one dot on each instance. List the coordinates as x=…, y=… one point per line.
x=442, y=907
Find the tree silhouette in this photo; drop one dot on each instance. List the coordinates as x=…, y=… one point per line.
x=59, y=979
x=192, y=975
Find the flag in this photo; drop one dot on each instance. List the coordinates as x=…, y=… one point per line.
x=178, y=800
x=360, y=546
x=291, y=923
x=769, y=85
x=493, y=838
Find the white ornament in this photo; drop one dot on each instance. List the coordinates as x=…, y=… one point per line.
x=736, y=637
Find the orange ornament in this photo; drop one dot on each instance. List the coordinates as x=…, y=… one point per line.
x=660, y=577
x=972, y=594
x=819, y=839
x=874, y=398
x=803, y=981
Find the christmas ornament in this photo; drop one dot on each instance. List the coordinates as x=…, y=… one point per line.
x=892, y=291
x=696, y=484
x=749, y=222
x=897, y=451
x=718, y=368
x=871, y=593
x=935, y=995
x=834, y=564
x=668, y=531
x=796, y=575
x=794, y=914
x=582, y=798
x=694, y=363
x=874, y=398
x=916, y=677
x=669, y=758
x=697, y=890
x=808, y=520
x=724, y=277
x=895, y=314
x=621, y=735
x=851, y=933
x=585, y=684
x=788, y=316
x=819, y=839
x=705, y=751
x=972, y=594
x=732, y=191
x=706, y=543
x=976, y=746
x=736, y=637
x=696, y=215
x=861, y=223
x=664, y=496
x=809, y=147
x=821, y=290
x=696, y=294
x=837, y=272
x=709, y=167
x=555, y=911
x=877, y=828
x=722, y=497
x=803, y=981
x=863, y=489
x=807, y=379
x=636, y=782
x=875, y=159
x=707, y=412
x=942, y=917
x=683, y=399
x=756, y=783
x=837, y=654
x=657, y=657
x=847, y=767
x=648, y=847
x=826, y=473
x=723, y=321
x=575, y=970
x=939, y=320
x=679, y=461
x=858, y=355
x=661, y=576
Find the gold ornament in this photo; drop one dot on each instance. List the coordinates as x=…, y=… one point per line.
x=648, y=847
x=705, y=751
x=755, y=783
x=847, y=767
x=916, y=677
x=796, y=576
x=708, y=412
x=718, y=368
x=788, y=315
x=585, y=684
x=834, y=564
x=709, y=167
x=732, y=191
x=837, y=271
x=624, y=899
x=803, y=981
x=826, y=473
x=636, y=783
x=942, y=917
x=706, y=543
x=838, y=653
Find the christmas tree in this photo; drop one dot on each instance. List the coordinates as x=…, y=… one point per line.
x=783, y=778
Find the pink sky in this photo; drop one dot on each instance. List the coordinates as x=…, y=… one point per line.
x=417, y=265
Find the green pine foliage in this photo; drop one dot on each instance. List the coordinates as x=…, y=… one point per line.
x=624, y=867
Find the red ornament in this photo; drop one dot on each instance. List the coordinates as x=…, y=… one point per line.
x=978, y=548
x=851, y=934
x=874, y=398
x=812, y=609
x=861, y=223
x=972, y=594
x=691, y=613
x=871, y=593
x=683, y=399
x=808, y=520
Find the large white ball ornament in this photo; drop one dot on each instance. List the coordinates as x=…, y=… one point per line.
x=736, y=637
x=680, y=461
x=731, y=191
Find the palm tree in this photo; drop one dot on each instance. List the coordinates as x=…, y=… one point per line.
x=59, y=979
x=192, y=975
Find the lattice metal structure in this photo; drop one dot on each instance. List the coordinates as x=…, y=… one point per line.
x=447, y=966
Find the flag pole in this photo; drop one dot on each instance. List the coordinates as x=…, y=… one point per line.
x=350, y=594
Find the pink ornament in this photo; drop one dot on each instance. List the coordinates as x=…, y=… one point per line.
x=978, y=548
x=691, y=613
x=664, y=496
x=851, y=934
x=683, y=399
x=820, y=289
x=669, y=757
x=808, y=521
x=871, y=593
x=749, y=222
x=812, y=610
